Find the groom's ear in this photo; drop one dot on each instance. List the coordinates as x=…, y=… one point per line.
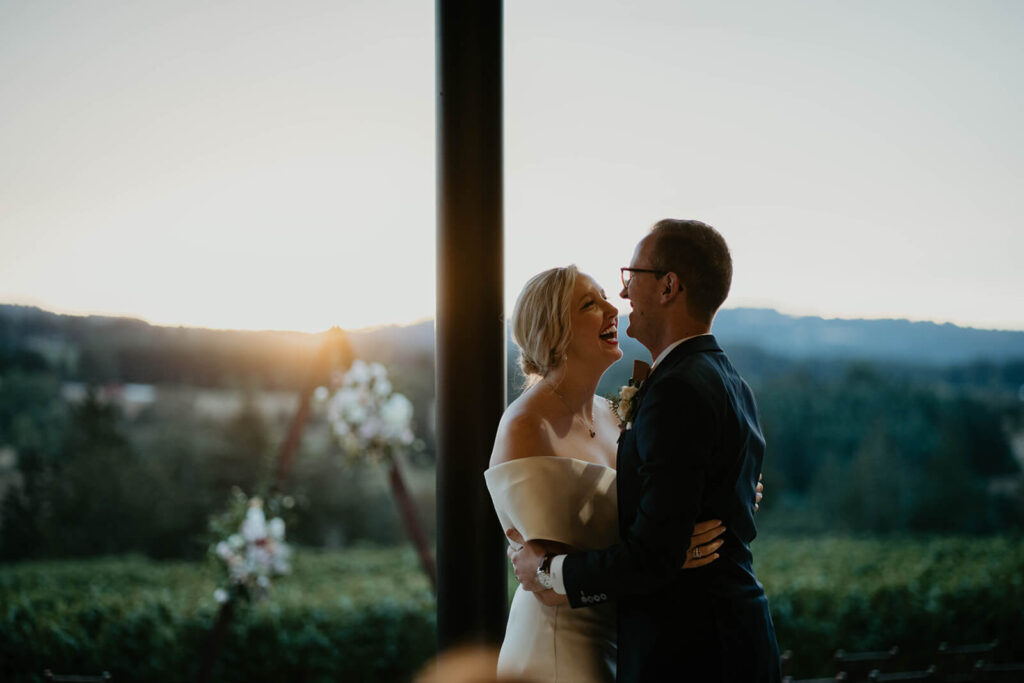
x=671, y=288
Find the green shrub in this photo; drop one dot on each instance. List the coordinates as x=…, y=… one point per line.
x=359, y=615
x=367, y=614
x=870, y=594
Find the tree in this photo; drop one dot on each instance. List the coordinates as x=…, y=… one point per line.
x=97, y=491
x=243, y=457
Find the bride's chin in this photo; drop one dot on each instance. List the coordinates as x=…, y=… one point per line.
x=613, y=358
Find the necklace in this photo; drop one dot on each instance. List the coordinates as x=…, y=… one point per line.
x=578, y=416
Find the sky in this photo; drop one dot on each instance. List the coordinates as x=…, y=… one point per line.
x=269, y=165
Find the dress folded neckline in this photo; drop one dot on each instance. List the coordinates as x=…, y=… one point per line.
x=549, y=457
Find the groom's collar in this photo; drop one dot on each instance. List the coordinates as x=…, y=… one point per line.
x=671, y=347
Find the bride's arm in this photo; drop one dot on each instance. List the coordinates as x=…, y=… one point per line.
x=703, y=544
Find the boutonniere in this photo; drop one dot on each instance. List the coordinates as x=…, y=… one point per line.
x=624, y=404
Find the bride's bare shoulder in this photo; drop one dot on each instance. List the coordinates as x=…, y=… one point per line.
x=604, y=410
x=523, y=432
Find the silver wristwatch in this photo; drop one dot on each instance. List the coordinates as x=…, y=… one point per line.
x=544, y=572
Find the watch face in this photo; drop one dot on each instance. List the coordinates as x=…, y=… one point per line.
x=544, y=578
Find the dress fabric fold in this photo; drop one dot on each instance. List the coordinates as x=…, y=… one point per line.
x=574, y=502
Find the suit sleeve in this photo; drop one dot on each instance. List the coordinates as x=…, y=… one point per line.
x=674, y=433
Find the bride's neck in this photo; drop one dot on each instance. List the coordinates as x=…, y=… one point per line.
x=575, y=388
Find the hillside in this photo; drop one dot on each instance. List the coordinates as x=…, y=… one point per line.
x=103, y=349
x=807, y=337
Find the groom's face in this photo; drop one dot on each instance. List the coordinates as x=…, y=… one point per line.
x=642, y=294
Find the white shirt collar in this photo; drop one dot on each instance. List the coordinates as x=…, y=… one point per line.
x=668, y=349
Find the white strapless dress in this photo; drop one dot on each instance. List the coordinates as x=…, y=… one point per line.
x=573, y=502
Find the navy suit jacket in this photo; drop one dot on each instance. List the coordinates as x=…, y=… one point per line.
x=694, y=452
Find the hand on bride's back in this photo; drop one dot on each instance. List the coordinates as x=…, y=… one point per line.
x=704, y=543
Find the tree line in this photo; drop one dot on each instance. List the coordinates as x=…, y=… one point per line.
x=852, y=446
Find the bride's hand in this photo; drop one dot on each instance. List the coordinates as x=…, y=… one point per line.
x=703, y=544
x=758, y=492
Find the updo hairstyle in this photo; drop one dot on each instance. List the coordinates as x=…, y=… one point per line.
x=542, y=321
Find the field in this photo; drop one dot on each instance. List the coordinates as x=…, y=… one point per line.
x=368, y=614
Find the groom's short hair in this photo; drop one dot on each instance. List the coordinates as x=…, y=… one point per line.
x=698, y=254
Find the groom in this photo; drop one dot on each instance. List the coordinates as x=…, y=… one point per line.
x=693, y=451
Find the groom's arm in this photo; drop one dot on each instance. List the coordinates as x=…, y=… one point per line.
x=674, y=436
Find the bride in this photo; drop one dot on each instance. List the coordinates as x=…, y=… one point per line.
x=552, y=473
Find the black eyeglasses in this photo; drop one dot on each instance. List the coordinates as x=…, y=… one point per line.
x=627, y=274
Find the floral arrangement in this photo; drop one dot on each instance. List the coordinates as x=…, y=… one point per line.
x=253, y=549
x=372, y=422
x=368, y=418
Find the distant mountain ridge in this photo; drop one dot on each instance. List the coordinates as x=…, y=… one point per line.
x=801, y=337
x=885, y=339
x=96, y=341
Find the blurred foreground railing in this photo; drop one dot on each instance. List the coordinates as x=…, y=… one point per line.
x=944, y=664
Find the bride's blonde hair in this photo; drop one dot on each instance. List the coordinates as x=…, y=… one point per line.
x=542, y=321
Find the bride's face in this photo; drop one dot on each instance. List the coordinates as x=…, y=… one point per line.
x=594, y=325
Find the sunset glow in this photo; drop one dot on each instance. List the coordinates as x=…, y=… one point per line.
x=269, y=166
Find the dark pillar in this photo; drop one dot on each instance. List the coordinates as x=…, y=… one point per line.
x=471, y=595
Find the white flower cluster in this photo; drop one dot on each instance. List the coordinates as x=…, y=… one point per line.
x=255, y=553
x=624, y=407
x=366, y=416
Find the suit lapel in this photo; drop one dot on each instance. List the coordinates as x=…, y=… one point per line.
x=701, y=344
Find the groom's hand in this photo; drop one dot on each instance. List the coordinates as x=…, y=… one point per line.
x=525, y=560
x=551, y=598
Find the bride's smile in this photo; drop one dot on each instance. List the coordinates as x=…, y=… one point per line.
x=594, y=319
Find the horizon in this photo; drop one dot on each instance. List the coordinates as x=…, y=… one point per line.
x=430, y=319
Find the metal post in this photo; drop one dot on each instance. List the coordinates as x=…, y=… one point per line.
x=471, y=596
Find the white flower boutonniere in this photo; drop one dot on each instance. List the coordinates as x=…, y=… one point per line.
x=624, y=407
x=624, y=404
